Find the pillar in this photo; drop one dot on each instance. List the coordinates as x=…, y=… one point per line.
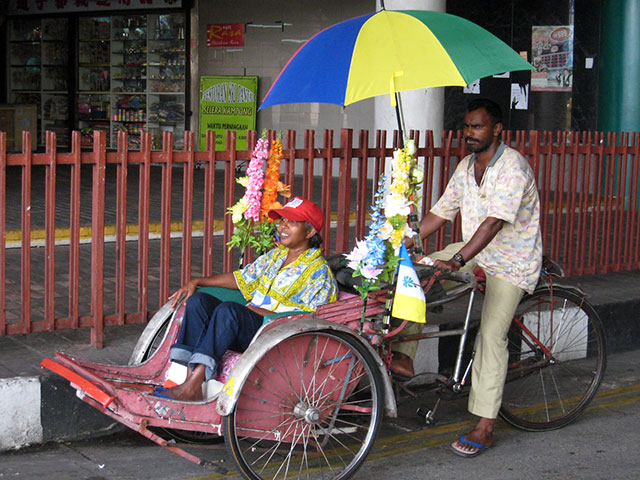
x=619, y=76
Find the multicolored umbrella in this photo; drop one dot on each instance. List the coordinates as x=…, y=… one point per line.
x=389, y=52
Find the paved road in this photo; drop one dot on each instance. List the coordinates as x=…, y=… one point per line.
x=602, y=444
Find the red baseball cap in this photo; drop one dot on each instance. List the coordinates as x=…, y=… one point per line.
x=300, y=210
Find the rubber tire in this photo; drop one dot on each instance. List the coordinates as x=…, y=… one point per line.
x=527, y=412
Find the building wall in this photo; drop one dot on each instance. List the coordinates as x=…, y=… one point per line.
x=274, y=32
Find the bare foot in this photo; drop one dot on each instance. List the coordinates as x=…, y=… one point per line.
x=482, y=434
x=191, y=389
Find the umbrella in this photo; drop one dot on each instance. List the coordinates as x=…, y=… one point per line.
x=390, y=51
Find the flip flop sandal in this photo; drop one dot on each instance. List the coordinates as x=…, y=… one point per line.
x=463, y=453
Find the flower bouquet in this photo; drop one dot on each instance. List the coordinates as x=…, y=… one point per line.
x=375, y=258
x=252, y=228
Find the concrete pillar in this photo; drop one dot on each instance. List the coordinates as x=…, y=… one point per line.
x=619, y=94
x=423, y=109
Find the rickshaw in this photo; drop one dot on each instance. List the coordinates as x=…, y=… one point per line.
x=307, y=398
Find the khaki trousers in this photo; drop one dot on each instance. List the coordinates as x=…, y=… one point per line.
x=491, y=357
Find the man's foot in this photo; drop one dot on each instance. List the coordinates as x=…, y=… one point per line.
x=476, y=441
x=402, y=365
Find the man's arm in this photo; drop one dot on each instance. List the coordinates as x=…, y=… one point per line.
x=429, y=224
x=487, y=230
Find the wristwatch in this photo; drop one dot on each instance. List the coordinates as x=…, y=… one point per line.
x=458, y=258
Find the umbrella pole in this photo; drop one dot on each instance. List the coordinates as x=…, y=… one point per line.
x=400, y=118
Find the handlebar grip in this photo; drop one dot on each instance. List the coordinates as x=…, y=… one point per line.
x=462, y=277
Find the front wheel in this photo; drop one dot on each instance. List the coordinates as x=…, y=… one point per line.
x=310, y=408
x=557, y=357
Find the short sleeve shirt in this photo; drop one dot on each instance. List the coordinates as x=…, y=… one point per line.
x=304, y=284
x=507, y=192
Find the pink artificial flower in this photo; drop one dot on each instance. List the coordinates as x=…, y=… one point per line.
x=256, y=179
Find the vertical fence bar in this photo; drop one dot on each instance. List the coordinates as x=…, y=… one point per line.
x=50, y=231
x=3, y=233
x=143, y=226
x=327, y=175
x=361, y=185
x=635, y=180
x=229, y=193
x=381, y=143
x=165, y=217
x=209, y=203
x=122, y=156
x=598, y=192
x=187, y=207
x=570, y=252
x=610, y=149
x=308, y=164
x=344, y=187
x=621, y=196
x=74, y=229
x=97, y=237
x=289, y=159
x=25, y=262
x=583, y=205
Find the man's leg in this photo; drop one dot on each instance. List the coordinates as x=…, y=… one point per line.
x=405, y=352
x=490, y=360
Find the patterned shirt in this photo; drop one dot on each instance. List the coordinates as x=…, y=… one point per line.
x=507, y=192
x=304, y=284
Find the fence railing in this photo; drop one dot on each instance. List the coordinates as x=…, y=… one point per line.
x=588, y=182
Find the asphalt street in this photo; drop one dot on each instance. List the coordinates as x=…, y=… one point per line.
x=602, y=444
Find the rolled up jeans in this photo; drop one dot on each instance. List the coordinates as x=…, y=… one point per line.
x=211, y=327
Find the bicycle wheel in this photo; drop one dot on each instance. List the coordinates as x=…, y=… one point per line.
x=310, y=408
x=557, y=356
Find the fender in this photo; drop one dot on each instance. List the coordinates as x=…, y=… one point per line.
x=165, y=314
x=270, y=338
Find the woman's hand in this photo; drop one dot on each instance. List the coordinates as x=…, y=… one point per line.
x=187, y=289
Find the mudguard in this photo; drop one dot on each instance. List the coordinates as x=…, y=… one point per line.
x=270, y=338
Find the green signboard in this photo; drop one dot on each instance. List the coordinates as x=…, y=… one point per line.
x=227, y=103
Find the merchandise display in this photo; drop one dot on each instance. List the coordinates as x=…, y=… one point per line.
x=38, y=72
x=130, y=75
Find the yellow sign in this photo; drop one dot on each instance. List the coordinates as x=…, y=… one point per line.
x=228, y=387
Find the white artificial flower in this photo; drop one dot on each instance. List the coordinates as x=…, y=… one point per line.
x=370, y=272
x=359, y=252
x=396, y=205
x=411, y=147
x=386, y=231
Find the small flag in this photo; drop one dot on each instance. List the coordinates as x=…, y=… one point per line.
x=408, y=302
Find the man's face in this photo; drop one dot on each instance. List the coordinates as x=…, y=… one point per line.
x=478, y=131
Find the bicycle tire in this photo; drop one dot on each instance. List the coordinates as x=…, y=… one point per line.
x=310, y=408
x=550, y=384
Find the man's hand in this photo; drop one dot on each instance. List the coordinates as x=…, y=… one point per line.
x=447, y=265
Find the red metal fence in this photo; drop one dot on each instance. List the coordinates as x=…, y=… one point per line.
x=588, y=184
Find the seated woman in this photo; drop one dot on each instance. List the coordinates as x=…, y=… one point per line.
x=291, y=276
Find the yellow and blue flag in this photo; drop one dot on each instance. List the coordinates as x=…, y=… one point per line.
x=409, y=302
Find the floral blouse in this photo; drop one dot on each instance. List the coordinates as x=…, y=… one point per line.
x=304, y=284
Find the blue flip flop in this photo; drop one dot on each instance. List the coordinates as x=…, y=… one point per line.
x=157, y=392
x=463, y=453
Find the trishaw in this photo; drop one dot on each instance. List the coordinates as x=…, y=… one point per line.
x=306, y=399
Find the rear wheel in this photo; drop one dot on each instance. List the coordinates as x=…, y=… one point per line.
x=557, y=357
x=310, y=408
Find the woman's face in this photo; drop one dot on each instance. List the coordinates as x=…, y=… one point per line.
x=294, y=234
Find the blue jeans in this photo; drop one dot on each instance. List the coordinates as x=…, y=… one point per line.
x=211, y=327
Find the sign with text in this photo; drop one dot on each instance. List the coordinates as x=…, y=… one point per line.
x=225, y=35
x=26, y=7
x=552, y=55
x=227, y=103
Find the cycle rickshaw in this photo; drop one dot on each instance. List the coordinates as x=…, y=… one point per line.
x=307, y=397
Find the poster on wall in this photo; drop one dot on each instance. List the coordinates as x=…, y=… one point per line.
x=552, y=55
x=227, y=103
x=225, y=35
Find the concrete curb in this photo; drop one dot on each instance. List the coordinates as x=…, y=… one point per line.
x=40, y=409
